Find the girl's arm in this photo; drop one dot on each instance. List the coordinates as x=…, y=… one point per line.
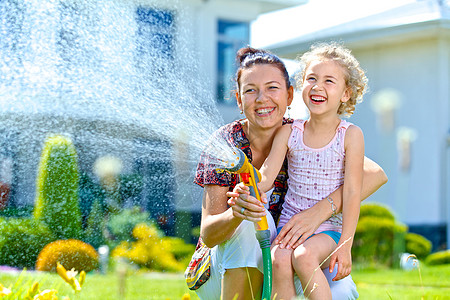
x=273, y=163
x=220, y=221
x=354, y=161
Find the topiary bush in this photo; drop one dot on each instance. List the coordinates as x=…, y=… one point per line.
x=120, y=225
x=21, y=240
x=438, y=258
x=70, y=253
x=57, y=202
x=154, y=251
x=375, y=210
x=418, y=245
x=376, y=236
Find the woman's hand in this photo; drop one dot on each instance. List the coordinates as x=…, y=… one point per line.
x=298, y=229
x=343, y=256
x=245, y=206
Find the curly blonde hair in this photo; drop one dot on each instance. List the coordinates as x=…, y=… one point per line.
x=355, y=78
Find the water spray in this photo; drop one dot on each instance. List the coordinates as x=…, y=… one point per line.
x=251, y=176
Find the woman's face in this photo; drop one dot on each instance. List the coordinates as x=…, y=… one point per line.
x=263, y=95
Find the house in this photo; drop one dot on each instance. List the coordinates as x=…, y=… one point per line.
x=131, y=82
x=405, y=116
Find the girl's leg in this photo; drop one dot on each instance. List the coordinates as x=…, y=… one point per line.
x=307, y=258
x=246, y=282
x=282, y=273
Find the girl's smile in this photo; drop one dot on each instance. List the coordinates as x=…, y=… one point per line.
x=324, y=87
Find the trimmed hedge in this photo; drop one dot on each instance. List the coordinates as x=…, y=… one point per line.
x=418, y=245
x=438, y=258
x=379, y=238
x=70, y=253
x=374, y=240
x=21, y=240
x=375, y=210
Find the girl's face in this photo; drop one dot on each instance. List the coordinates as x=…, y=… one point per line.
x=324, y=87
x=263, y=95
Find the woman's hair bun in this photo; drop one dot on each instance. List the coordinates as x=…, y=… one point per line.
x=244, y=52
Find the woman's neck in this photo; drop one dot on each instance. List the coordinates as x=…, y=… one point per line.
x=260, y=140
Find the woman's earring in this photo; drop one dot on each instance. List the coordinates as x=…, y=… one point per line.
x=241, y=112
x=289, y=112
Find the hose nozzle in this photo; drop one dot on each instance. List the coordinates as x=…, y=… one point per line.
x=249, y=175
x=237, y=162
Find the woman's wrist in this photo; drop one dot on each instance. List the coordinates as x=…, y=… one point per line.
x=322, y=210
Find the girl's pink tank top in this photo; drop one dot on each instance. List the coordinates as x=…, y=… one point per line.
x=313, y=174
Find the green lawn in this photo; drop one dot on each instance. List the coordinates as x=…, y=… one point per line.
x=372, y=284
x=399, y=284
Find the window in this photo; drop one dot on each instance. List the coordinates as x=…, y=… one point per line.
x=231, y=37
x=155, y=32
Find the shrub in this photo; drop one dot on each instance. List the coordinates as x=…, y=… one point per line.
x=438, y=258
x=131, y=186
x=57, y=202
x=70, y=253
x=418, y=245
x=374, y=240
x=121, y=224
x=21, y=240
x=95, y=226
x=152, y=250
x=375, y=210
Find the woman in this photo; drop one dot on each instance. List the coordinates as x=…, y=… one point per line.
x=263, y=94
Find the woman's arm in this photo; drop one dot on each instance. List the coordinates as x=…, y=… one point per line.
x=220, y=221
x=303, y=224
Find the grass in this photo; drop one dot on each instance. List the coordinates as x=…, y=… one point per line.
x=400, y=284
x=138, y=286
x=371, y=284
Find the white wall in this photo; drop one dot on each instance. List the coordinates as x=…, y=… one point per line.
x=412, y=69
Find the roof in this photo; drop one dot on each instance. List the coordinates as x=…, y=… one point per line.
x=413, y=20
x=272, y=5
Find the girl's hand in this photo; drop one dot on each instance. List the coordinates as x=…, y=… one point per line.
x=245, y=206
x=298, y=229
x=344, y=259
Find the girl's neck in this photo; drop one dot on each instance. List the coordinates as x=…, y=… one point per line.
x=323, y=124
x=319, y=132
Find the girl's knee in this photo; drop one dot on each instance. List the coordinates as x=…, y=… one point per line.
x=304, y=257
x=282, y=259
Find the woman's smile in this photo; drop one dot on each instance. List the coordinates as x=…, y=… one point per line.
x=266, y=111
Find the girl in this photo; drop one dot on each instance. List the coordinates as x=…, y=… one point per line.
x=320, y=151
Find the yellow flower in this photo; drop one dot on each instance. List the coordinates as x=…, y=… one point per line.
x=46, y=295
x=4, y=291
x=186, y=297
x=32, y=291
x=82, y=277
x=68, y=276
